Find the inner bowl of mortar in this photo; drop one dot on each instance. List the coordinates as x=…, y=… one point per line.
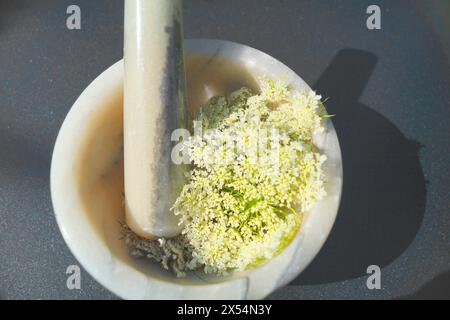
x=87, y=182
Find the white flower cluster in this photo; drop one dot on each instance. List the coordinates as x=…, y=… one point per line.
x=255, y=171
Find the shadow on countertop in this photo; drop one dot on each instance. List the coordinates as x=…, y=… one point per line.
x=10, y=9
x=384, y=188
x=436, y=289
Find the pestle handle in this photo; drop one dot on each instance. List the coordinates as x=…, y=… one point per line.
x=154, y=106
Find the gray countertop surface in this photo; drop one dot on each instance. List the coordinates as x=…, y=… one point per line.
x=388, y=88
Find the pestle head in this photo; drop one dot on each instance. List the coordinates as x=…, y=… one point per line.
x=154, y=106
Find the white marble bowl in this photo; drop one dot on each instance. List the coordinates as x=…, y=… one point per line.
x=87, y=184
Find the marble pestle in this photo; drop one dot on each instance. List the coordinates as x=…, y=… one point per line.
x=154, y=106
